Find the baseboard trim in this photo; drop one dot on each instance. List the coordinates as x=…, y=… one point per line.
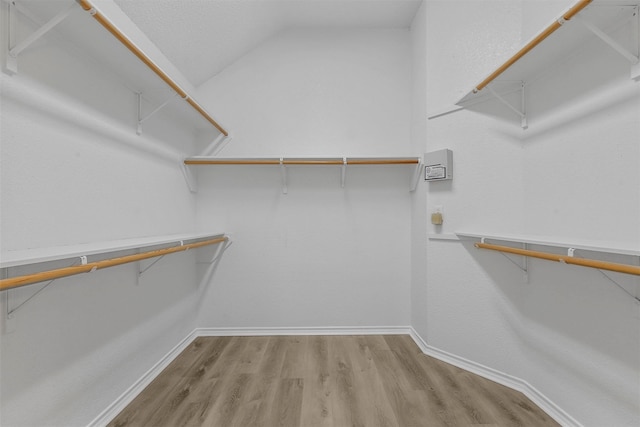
x=484, y=371
x=337, y=330
x=127, y=397
x=518, y=384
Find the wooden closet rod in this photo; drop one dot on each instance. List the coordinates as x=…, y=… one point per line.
x=28, y=279
x=533, y=43
x=86, y=5
x=338, y=162
x=584, y=262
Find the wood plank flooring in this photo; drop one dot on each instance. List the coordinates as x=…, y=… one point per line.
x=322, y=381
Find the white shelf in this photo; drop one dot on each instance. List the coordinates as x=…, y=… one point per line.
x=550, y=47
x=619, y=248
x=301, y=161
x=118, y=45
x=39, y=255
x=284, y=162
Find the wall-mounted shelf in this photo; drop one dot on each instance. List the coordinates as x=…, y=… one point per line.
x=586, y=245
x=71, y=22
x=144, y=248
x=283, y=162
x=82, y=251
x=39, y=255
x=585, y=20
x=629, y=249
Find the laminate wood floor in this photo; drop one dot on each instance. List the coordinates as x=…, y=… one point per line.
x=322, y=381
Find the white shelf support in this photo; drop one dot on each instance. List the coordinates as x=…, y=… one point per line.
x=283, y=174
x=522, y=112
x=11, y=311
x=571, y=252
x=12, y=57
x=525, y=266
x=630, y=56
x=216, y=145
x=190, y=177
x=344, y=171
x=148, y=116
x=416, y=176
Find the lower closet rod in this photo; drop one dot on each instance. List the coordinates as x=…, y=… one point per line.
x=28, y=279
x=584, y=262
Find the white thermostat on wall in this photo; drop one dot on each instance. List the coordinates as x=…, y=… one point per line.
x=438, y=165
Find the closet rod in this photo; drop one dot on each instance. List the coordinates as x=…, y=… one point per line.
x=28, y=279
x=533, y=43
x=340, y=162
x=86, y=5
x=584, y=262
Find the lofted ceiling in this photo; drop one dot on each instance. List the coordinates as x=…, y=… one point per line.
x=202, y=37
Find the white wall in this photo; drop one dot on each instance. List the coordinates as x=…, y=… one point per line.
x=320, y=255
x=569, y=332
x=72, y=171
x=419, y=144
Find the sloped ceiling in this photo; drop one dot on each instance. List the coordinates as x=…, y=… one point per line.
x=202, y=37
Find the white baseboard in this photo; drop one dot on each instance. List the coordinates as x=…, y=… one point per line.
x=499, y=377
x=127, y=397
x=518, y=384
x=337, y=330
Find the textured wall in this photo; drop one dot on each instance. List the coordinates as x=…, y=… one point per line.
x=569, y=332
x=320, y=255
x=72, y=171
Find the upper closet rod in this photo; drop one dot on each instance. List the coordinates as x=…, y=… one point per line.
x=28, y=279
x=584, y=262
x=338, y=162
x=86, y=5
x=533, y=43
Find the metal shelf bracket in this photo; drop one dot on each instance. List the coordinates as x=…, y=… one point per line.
x=283, y=174
x=216, y=145
x=142, y=119
x=571, y=252
x=416, y=176
x=522, y=112
x=633, y=58
x=344, y=171
x=14, y=52
x=10, y=312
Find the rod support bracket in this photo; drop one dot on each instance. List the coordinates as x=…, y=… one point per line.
x=283, y=174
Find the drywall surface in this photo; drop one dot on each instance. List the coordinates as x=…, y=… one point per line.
x=320, y=255
x=570, y=333
x=73, y=170
x=419, y=144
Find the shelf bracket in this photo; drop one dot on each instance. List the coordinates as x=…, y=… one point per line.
x=344, y=171
x=631, y=57
x=217, y=254
x=522, y=112
x=216, y=145
x=524, y=266
x=14, y=52
x=525, y=261
x=190, y=177
x=10, y=312
x=143, y=119
x=141, y=270
x=416, y=176
x=283, y=174
x=571, y=253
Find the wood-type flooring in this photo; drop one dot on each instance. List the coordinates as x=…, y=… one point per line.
x=322, y=381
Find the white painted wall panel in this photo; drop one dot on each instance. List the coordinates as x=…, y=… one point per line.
x=570, y=332
x=320, y=255
x=72, y=171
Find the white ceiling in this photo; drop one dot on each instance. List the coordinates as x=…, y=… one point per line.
x=202, y=37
